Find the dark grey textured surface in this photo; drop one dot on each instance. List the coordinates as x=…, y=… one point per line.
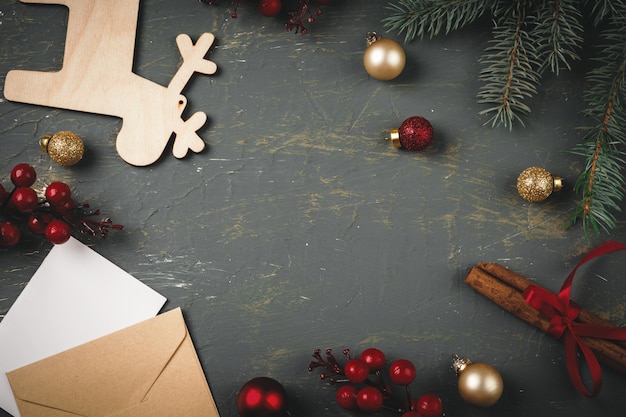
x=300, y=228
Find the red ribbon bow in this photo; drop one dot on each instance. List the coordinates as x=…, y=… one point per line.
x=562, y=314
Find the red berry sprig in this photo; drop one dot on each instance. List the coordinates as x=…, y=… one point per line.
x=54, y=215
x=364, y=388
x=298, y=17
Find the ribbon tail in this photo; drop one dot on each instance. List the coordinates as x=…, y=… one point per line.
x=572, y=344
x=599, y=332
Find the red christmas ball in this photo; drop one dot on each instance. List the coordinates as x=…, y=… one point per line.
x=416, y=133
x=262, y=397
x=270, y=7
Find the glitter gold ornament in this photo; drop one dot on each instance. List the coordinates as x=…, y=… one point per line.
x=65, y=148
x=384, y=58
x=479, y=384
x=536, y=184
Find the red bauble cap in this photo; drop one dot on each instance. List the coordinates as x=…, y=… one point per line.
x=414, y=134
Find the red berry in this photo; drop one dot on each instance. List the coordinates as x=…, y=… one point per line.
x=356, y=371
x=402, y=372
x=374, y=358
x=23, y=175
x=24, y=199
x=37, y=223
x=369, y=399
x=9, y=234
x=430, y=405
x=270, y=7
x=58, y=232
x=58, y=193
x=346, y=397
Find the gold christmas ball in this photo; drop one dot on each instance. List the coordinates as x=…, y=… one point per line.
x=384, y=58
x=479, y=384
x=65, y=148
x=536, y=184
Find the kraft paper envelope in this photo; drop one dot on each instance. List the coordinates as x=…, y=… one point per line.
x=147, y=370
x=76, y=295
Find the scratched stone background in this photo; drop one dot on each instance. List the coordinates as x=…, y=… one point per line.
x=301, y=228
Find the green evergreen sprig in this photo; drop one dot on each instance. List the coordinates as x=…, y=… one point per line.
x=510, y=75
x=558, y=22
x=420, y=18
x=602, y=184
x=529, y=38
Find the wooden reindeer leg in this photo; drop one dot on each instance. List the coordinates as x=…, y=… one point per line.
x=98, y=59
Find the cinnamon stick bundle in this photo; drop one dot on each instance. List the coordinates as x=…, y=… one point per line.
x=505, y=288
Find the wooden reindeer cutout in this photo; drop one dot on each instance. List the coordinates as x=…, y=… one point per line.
x=97, y=77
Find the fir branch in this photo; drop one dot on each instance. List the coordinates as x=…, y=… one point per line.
x=510, y=75
x=606, y=9
x=558, y=22
x=420, y=17
x=602, y=185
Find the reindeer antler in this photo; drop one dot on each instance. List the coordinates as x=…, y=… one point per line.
x=193, y=60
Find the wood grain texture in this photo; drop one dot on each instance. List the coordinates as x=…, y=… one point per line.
x=299, y=227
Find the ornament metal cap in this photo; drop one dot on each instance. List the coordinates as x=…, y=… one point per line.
x=460, y=363
x=394, y=138
x=371, y=37
x=65, y=148
x=535, y=184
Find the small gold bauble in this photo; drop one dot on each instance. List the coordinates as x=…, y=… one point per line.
x=65, y=148
x=384, y=58
x=536, y=184
x=479, y=384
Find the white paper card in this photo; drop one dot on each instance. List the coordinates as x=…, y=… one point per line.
x=75, y=296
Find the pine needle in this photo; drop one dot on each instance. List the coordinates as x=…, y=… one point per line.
x=509, y=76
x=602, y=184
x=558, y=23
x=418, y=18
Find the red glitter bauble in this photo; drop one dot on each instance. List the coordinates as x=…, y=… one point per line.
x=262, y=397
x=270, y=7
x=416, y=133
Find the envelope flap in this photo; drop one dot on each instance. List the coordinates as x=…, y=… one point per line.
x=109, y=373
